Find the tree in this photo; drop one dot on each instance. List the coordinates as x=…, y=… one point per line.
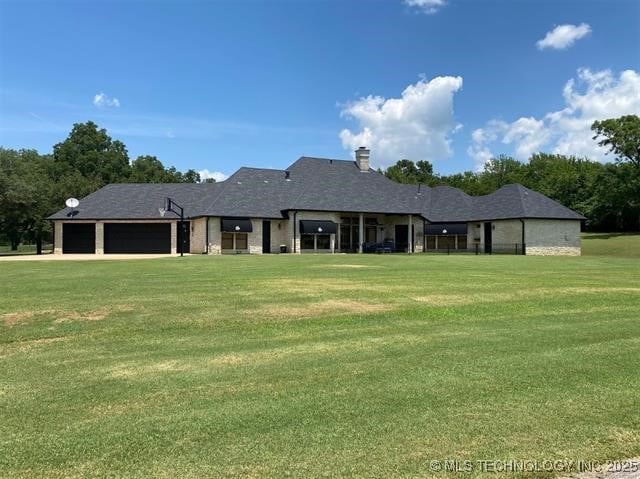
x=25, y=196
x=92, y=153
x=406, y=171
x=621, y=136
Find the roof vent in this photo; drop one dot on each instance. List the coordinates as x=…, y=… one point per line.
x=362, y=158
x=287, y=175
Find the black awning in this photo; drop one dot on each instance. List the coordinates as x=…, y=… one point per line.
x=450, y=228
x=310, y=227
x=236, y=225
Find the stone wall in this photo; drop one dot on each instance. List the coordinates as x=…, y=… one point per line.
x=198, y=236
x=553, y=237
x=307, y=215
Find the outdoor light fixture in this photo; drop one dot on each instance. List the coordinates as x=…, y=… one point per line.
x=319, y=229
x=444, y=231
x=171, y=205
x=237, y=228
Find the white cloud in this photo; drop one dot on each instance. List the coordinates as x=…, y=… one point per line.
x=416, y=126
x=426, y=6
x=589, y=97
x=216, y=175
x=102, y=100
x=563, y=36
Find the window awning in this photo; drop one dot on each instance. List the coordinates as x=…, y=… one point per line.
x=236, y=225
x=310, y=227
x=450, y=228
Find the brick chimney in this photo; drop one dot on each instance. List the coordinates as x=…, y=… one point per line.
x=362, y=158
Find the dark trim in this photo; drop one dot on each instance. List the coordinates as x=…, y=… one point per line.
x=236, y=225
x=524, y=247
x=435, y=229
x=311, y=227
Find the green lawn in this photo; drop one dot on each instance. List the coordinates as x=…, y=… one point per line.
x=611, y=244
x=5, y=250
x=332, y=366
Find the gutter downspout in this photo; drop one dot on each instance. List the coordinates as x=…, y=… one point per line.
x=295, y=213
x=524, y=248
x=207, y=237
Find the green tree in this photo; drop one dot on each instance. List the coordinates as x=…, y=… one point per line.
x=406, y=171
x=90, y=151
x=621, y=136
x=25, y=196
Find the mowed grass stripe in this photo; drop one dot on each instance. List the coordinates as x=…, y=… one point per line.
x=500, y=357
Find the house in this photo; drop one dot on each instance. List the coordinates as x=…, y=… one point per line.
x=315, y=205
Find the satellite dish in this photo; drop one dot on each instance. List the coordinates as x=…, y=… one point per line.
x=72, y=203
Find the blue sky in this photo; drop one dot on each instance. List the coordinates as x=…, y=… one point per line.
x=218, y=85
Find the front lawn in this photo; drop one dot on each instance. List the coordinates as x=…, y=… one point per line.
x=611, y=244
x=308, y=366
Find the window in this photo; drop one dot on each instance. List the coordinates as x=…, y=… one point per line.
x=323, y=242
x=241, y=240
x=306, y=241
x=431, y=242
x=227, y=240
x=446, y=242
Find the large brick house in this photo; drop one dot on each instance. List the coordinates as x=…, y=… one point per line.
x=315, y=205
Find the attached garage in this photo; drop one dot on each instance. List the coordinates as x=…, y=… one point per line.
x=79, y=238
x=137, y=238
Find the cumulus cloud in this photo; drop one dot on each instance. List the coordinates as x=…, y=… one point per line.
x=416, y=126
x=589, y=97
x=216, y=175
x=563, y=36
x=102, y=100
x=426, y=6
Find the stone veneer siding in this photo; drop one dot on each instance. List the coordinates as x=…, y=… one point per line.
x=542, y=236
x=553, y=237
x=198, y=238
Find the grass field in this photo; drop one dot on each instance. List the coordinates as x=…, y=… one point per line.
x=611, y=244
x=332, y=366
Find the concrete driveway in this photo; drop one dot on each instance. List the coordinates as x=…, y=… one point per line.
x=83, y=257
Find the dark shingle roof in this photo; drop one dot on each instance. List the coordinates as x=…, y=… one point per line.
x=141, y=200
x=316, y=184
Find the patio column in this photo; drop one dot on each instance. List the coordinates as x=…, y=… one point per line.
x=410, y=234
x=336, y=246
x=99, y=237
x=361, y=233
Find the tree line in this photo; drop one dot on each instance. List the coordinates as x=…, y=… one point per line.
x=608, y=194
x=33, y=185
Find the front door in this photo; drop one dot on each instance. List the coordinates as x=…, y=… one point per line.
x=266, y=236
x=402, y=238
x=488, y=237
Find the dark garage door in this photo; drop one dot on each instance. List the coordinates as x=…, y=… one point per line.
x=78, y=237
x=137, y=238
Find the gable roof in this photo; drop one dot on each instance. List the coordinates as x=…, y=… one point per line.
x=316, y=184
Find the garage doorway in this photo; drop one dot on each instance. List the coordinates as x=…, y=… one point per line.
x=153, y=238
x=79, y=238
